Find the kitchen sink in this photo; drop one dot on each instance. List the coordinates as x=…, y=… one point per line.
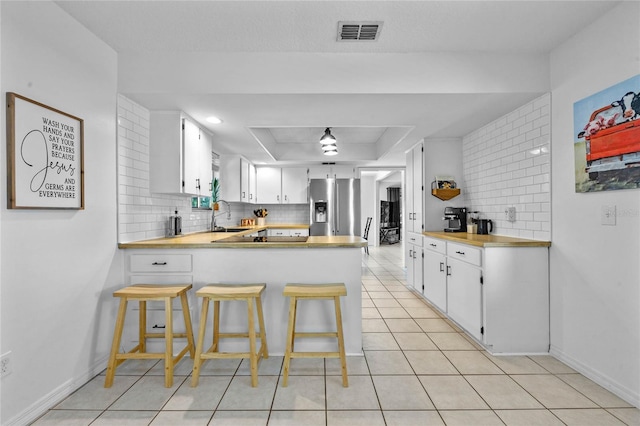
x=223, y=229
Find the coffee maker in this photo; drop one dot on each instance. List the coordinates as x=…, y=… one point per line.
x=456, y=218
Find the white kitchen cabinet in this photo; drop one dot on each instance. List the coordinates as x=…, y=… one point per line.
x=158, y=268
x=269, y=185
x=499, y=294
x=253, y=182
x=414, y=189
x=180, y=155
x=281, y=232
x=332, y=171
x=464, y=288
x=435, y=272
x=295, y=185
x=282, y=185
x=413, y=261
x=234, y=178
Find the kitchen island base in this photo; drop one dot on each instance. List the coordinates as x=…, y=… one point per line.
x=274, y=266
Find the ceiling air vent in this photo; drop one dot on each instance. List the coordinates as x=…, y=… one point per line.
x=359, y=31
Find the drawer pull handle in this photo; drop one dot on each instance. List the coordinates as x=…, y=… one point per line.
x=159, y=263
x=448, y=270
x=159, y=326
x=433, y=245
x=460, y=252
x=441, y=266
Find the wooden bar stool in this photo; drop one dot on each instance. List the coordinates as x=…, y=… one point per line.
x=216, y=293
x=314, y=292
x=144, y=293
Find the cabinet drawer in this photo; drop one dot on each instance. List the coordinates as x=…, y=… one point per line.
x=300, y=232
x=160, y=262
x=465, y=253
x=415, y=239
x=435, y=244
x=278, y=232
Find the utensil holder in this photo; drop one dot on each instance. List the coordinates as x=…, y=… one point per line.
x=261, y=221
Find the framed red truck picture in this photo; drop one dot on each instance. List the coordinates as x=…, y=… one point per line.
x=607, y=138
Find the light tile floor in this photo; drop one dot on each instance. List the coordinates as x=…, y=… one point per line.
x=418, y=369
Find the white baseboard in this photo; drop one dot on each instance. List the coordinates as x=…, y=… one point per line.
x=57, y=395
x=603, y=380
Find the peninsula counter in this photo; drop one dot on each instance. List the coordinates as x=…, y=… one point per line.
x=202, y=259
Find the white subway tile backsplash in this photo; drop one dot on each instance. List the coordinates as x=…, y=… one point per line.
x=143, y=215
x=507, y=164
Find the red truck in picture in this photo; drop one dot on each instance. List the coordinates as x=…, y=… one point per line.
x=612, y=136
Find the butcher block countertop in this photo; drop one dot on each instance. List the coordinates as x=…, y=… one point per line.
x=216, y=240
x=486, y=240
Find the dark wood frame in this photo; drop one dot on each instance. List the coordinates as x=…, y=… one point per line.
x=16, y=184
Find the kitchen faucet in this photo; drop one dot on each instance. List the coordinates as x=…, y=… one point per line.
x=213, y=215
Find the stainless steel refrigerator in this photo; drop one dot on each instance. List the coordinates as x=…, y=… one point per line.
x=335, y=207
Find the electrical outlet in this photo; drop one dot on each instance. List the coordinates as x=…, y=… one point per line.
x=608, y=215
x=511, y=214
x=5, y=364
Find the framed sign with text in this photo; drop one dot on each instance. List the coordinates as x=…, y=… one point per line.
x=45, y=149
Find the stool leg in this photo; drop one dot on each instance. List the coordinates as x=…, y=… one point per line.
x=142, y=326
x=290, y=335
x=117, y=336
x=168, y=336
x=187, y=321
x=253, y=356
x=263, y=335
x=216, y=326
x=197, y=361
x=343, y=358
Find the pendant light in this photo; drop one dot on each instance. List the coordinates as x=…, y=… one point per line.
x=327, y=138
x=328, y=142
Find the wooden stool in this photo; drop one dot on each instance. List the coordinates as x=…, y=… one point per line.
x=144, y=293
x=316, y=292
x=251, y=293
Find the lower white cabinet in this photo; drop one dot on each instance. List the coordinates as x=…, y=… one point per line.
x=275, y=232
x=464, y=296
x=158, y=268
x=435, y=278
x=497, y=294
x=413, y=261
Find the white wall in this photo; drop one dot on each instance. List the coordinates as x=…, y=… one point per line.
x=442, y=157
x=59, y=268
x=595, y=277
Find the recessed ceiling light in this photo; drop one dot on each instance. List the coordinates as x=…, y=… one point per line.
x=214, y=120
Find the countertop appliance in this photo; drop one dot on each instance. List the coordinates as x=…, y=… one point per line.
x=456, y=218
x=335, y=207
x=485, y=226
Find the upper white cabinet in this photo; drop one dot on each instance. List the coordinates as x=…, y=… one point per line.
x=269, y=183
x=235, y=178
x=332, y=171
x=253, y=180
x=294, y=185
x=180, y=155
x=414, y=189
x=282, y=185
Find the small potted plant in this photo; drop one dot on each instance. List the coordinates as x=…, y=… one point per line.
x=215, y=193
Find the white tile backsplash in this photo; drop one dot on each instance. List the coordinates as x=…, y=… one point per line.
x=143, y=215
x=507, y=164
